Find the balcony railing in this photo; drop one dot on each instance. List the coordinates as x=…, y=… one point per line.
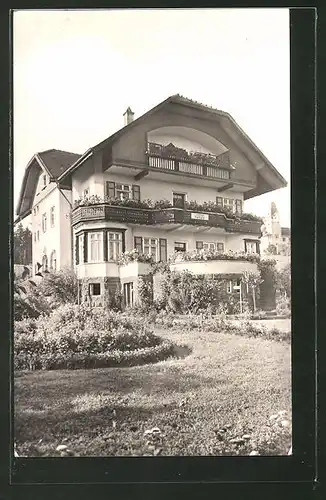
x=153, y=217
x=179, y=160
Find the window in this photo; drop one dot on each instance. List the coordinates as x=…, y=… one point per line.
x=95, y=288
x=53, y=261
x=251, y=246
x=86, y=193
x=128, y=294
x=44, y=263
x=114, y=245
x=179, y=247
x=123, y=191
x=44, y=222
x=44, y=181
x=152, y=246
x=95, y=253
x=38, y=235
x=37, y=209
x=80, y=243
x=232, y=204
x=34, y=211
x=34, y=236
x=52, y=218
x=231, y=284
x=179, y=200
x=210, y=246
x=163, y=250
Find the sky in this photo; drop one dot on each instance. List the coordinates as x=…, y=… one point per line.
x=76, y=71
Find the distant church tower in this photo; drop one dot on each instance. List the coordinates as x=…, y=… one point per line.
x=272, y=231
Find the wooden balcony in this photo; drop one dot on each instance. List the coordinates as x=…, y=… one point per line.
x=179, y=160
x=156, y=217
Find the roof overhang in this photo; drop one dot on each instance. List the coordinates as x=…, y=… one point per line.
x=268, y=177
x=28, y=187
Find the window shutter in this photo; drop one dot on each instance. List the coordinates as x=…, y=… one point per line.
x=199, y=245
x=163, y=250
x=138, y=243
x=258, y=247
x=105, y=245
x=85, y=247
x=77, y=249
x=110, y=189
x=238, y=206
x=219, y=201
x=136, y=192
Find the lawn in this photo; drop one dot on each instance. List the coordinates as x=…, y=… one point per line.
x=217, y=399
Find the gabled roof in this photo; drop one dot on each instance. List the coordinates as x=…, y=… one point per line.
x=178, y=99
x=54, y=162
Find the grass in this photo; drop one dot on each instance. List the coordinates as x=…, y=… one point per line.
x=226, y=388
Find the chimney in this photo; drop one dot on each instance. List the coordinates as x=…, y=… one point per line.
x=128, y=116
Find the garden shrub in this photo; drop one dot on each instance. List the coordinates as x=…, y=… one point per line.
x=60, y=287
x=29, y=305
x=80, y=337
x=184, y=293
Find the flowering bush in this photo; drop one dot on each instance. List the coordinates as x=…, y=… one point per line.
x=135, y=256
x=77, y=336
x=199, y=255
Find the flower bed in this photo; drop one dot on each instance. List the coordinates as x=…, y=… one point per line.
x=75, y=337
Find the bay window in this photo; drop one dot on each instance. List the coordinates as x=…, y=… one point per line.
x=114, y=245
x=95, y=246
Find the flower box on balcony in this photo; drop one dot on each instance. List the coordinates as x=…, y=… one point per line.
x=214, y=266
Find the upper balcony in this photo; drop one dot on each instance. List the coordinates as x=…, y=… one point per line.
x=176, y=159
x=164, y=217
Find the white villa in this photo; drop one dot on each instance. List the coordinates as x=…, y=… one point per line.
x=161, y=184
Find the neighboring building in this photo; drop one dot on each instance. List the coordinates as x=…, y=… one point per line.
x=180, y=151
x=275, y=240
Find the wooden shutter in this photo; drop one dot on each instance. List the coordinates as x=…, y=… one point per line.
x=138, y=243
x=85, y=246
x=258, y=247
x=219, y=201
x=105, y=245
x=110, y=189
x=136, y=192
x=163, y=250
x=199, y=245
x=238, y=206
x=77, y=249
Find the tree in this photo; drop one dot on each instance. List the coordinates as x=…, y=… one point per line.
x=283, y=281
x=22, y=245
x=61, y=286
x=252, y=282
x=271, y=249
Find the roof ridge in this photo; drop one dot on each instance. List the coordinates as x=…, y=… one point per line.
x=59, y=151
x=207, y=106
